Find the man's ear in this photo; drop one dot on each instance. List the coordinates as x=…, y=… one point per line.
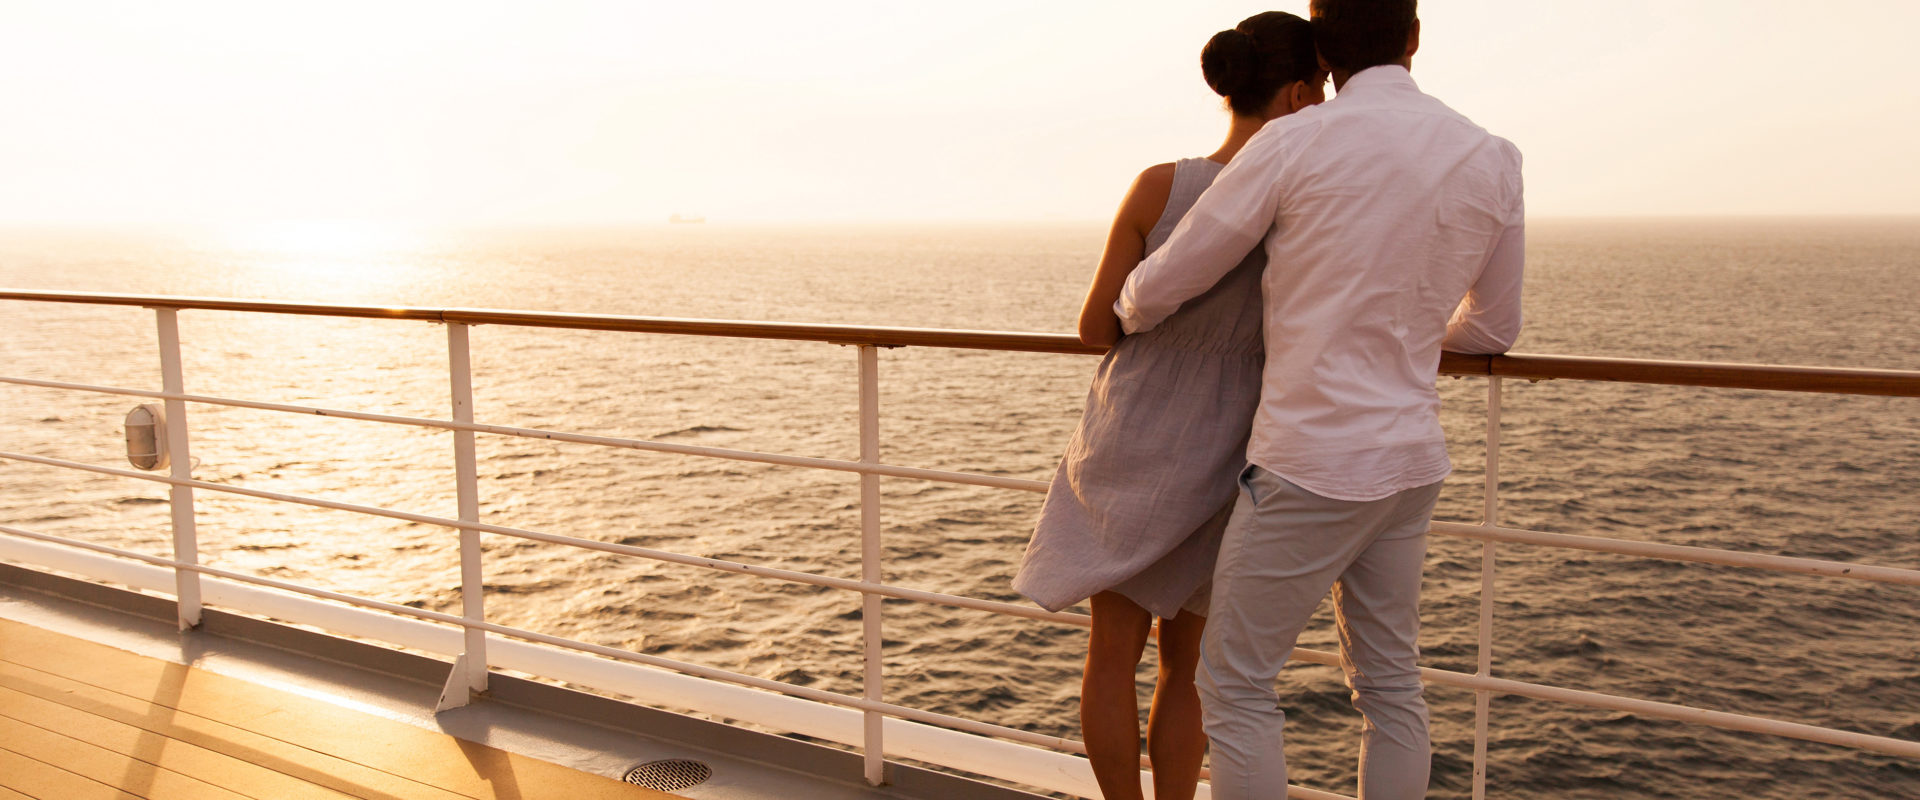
x=1413, y=40
x=1297, y=96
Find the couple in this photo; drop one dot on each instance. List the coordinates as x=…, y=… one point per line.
x=1268, y=428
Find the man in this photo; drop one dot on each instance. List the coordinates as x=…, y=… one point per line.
x=1394, y=228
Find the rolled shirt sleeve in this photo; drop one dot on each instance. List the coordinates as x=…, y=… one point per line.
x=1488, y=318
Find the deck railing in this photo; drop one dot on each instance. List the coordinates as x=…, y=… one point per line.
x=1045, y=768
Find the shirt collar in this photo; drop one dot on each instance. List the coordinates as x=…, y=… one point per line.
x=1382, y=76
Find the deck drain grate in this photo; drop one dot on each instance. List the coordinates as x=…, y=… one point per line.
x=669, y=775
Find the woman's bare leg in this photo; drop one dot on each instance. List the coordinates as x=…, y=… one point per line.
x=1175, y=739
x=1109, y=712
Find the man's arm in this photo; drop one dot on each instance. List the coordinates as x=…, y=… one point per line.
x=1225, y=224
x=1488, y=318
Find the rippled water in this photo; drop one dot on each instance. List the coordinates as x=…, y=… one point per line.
x=1805, y=475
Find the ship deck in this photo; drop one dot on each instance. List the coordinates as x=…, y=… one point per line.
x=83, y=720
x=101, y=697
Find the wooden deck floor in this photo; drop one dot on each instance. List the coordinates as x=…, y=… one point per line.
x=83, y=721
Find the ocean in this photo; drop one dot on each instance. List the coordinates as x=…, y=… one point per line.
x=1806, y=475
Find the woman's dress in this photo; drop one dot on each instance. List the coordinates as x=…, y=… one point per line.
x=1142, y=495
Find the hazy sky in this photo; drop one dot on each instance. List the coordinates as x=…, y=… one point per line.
x=611, y=112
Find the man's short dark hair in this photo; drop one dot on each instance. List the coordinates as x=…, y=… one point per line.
x=1356, y=34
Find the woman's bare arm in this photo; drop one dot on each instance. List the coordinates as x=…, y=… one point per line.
x=1126, y=246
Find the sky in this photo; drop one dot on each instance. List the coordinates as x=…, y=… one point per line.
x=597, y=113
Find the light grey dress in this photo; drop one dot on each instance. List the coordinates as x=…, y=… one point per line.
x=1143, y=492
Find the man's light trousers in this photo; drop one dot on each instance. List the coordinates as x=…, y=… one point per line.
x=1284, y=549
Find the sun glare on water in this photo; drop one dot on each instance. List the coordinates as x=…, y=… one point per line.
x=324, y=258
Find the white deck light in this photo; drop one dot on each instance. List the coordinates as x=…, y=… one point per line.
x=146, y=444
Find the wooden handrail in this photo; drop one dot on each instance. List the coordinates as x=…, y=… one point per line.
x=1891, y=383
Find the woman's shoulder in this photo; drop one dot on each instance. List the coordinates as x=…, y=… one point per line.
x=1157, y=179
x=1147, y=200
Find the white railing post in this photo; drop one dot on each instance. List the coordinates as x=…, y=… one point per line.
x=470, y=669
x=870, y=556
x=186, y=538
x=1483, y=700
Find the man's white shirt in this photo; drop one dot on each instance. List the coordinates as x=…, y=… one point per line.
x=1394, y=228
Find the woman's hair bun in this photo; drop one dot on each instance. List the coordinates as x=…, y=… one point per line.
x=1229, y=61
x=1251, y=62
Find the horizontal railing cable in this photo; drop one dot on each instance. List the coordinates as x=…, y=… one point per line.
x=1675, y=552
x=831, y=464
x=1648, y=708
x=1714, y=719
x=884, y=590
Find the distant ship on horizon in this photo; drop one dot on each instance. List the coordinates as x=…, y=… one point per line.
x=686, y=219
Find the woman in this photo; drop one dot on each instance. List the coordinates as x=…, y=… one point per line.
x=1134, y=517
